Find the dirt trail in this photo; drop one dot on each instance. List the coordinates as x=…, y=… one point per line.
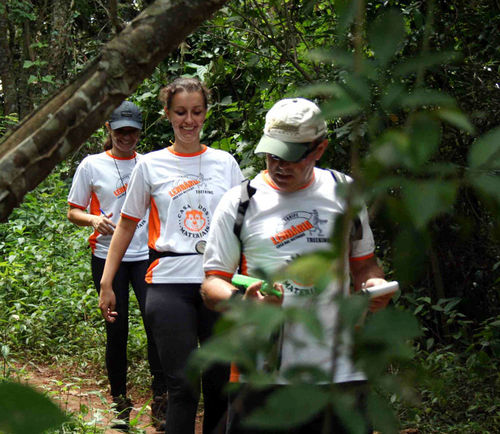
x=88, y=397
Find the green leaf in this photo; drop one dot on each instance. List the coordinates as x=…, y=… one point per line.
x=392, y=96
x=390, y=149
x=381, y=414
x=384, y=338
x=344, y=404
x=227, y=100
x=427, y=97
x=425, y=61
x=410, y=247
x=485, y=152
x=426, y=200
x=146, y=95
x=336, y=56
x=346, y=12
x=308, y=319
x=5, y=350
x=386, y=35
x=24, y=410
x=321, y=89
x=455, y=117
x=342, y=105
x=352, y=310
x=288, y=407
x=488, y=184
x=391, y=325
x=48, y=79
x=425, y=135
x=308, y=269
x=358, y=88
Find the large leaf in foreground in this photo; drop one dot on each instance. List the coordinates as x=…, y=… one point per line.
x=23, y=410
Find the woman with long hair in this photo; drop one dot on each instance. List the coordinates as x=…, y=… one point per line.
x=180, y=185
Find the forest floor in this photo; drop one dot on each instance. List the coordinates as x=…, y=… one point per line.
x=88, y=397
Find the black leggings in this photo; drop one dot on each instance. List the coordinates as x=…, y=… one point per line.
x=179, y=320
x=117, y=332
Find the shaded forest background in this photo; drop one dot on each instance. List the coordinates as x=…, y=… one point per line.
x=428, y=90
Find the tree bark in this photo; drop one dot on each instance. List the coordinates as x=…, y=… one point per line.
x=62, y=124
x=7, y=68
x=61, y=12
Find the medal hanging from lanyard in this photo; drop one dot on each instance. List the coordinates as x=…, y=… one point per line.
x=196, y=214
x=118, y=170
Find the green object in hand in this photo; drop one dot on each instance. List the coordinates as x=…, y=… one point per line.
x=243, y=282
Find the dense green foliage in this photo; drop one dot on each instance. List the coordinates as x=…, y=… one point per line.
x=49, y=308
x=411, y=92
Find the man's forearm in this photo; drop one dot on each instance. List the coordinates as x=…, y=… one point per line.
x=363, y=270
x=215, y=290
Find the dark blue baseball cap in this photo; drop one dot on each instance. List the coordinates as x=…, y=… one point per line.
x=127, y=114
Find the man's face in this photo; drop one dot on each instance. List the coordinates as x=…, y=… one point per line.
x=289, y=176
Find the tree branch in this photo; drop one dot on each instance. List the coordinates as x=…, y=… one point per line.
x=62, y=124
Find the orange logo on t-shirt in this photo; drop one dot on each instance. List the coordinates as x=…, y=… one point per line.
x=291, y=232
x=194, y=221
x=183, y=187
x=119, y=191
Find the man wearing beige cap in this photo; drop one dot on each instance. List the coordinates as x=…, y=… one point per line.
x=291, y=210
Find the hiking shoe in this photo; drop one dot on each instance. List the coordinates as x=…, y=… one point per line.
x=159, y=411
x=123, y=407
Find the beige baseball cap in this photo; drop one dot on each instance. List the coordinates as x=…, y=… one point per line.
x=292, y=124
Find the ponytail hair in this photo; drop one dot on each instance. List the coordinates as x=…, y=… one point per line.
x=108, y=144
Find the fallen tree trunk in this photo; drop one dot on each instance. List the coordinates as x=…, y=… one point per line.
x=62, y=124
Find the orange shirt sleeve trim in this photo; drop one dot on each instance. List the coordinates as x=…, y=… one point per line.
x=234, y=376
x=361, y=258
x=135, y=219
x=218, y=273
x=74, y=205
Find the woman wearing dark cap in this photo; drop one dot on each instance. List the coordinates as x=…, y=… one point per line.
x=96, y=197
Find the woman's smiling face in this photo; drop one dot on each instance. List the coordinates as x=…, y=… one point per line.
x=187, y=113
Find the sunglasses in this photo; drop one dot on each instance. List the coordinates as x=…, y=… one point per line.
x=302, y=158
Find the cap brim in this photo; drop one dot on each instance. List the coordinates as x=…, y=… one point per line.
x=287, y=151
x=125, y=123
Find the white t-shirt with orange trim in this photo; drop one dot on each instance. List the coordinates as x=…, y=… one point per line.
x=278, y=227
x=100, y=183
x=181, y=191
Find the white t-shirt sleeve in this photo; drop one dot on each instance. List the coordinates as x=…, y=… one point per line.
x=236, y=175
x=137, y=201
x=222, y=253
x=365, y=246
x=81, y=190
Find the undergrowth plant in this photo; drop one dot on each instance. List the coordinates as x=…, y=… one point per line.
x=48, y=304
